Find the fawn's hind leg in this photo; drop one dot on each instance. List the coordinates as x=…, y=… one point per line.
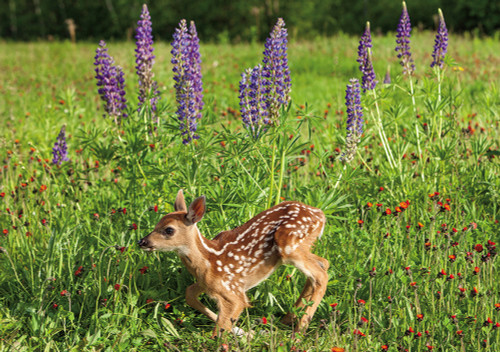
x=315, y=269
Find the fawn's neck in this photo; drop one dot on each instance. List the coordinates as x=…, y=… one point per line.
x=195, y=255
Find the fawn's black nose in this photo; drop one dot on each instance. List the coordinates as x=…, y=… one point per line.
x=142, y=242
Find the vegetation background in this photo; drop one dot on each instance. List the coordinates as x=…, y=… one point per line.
x=235, y=21
x=423, y=278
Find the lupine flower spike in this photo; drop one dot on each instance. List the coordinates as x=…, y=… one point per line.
x=60, y=150
x=440, y=43
x=276, y=74
x=110, y=82
x=354, y=119
x=368, y=81
x=187, y=76
x=148, y=87
x=252, y=100
x=403, y=42
x=387, y=78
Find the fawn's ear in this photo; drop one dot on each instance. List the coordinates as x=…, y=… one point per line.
x=196, y=210
x=180, y=203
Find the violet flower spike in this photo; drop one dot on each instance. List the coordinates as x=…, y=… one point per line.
x=354, y=119
x=440, y=43
x=187, y=76
x=110, y=83
x=60, y=150
x=275, y=71
x=148, y=87
x=403, y=42
x=252, y=100
x=368, y=81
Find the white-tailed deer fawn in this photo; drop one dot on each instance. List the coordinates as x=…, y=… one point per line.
x=239, y=259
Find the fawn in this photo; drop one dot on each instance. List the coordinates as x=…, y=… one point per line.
x=239, y=259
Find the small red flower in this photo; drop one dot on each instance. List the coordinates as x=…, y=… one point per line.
x=155, y=208
x=460, y=332
x=149, y=300
x=420, y=317
x=5, y=231
x=334, y=305
x=358, y=332
x=361, y=301
x=78, y=272
x=478, y=247
x=264, y=320
x=388, y=211
x=167, y=305
x=55, y=305
x=384, y=347
x=64, y=293
x=117, y=286
x=42, y=188
x=143, y=270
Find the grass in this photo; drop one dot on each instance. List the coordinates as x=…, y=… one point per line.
x=71, y=275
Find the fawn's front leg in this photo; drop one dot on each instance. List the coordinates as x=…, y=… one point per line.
x=230, y=309
x=192, y=294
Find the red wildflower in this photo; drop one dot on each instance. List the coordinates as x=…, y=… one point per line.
x=149, y=300
x=384, y=347
x=264, y=320
x=361, y=301
x=358, y=332
x=388, y=211
x=167, y=305
x=78, y=272
x=143, y=270
x=478, y=247
x=420, y=317
x=64, y=293
x=334, y=305
x=117, y=286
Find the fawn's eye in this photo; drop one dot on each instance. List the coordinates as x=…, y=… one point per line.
x=168, y=231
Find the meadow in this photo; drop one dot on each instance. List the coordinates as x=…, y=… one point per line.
x=411, y=240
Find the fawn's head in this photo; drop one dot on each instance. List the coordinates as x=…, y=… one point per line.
x=176, y=230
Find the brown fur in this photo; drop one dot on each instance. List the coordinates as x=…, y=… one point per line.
x=238, y=259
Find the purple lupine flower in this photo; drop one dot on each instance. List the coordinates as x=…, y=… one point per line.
x=111, y=83
x=387, y=78
x=60, y=150
x=187, y=76
x=354, y=119
x=441, y=42
x=275, y=72
x=252, y=100
x=148, y=87
x=368, y=81
x=403, y=42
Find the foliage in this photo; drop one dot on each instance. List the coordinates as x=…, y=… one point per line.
x=403, y=238
x=220, y=21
